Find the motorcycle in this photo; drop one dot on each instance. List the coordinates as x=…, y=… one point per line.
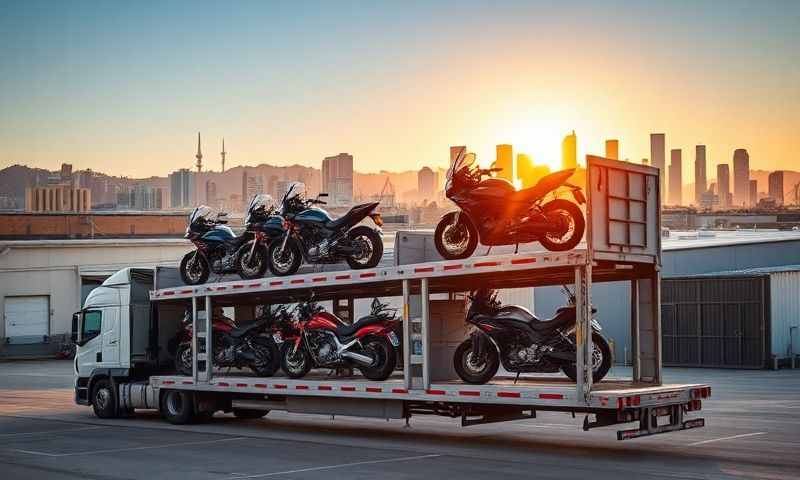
x=493, y=212
x=311, y=234
x=234, y=346
x=320, y=339
x=264, y=226
x=513, y=336
x=216, y=246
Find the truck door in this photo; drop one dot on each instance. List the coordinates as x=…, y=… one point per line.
x=91, y=342
x=110, y=335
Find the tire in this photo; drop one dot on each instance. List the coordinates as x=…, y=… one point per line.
x=181, y=365
x=104, y=399
x=295, y=365
x=470, y=242
x=600, y=372
x=376, y=247
x=273, y=362
x=292, y=263
x=177, y=407
x=387, y=359
x=467, y=373
x=577, y=222
x=248, y=414
x=251, y=268
x=198, y=276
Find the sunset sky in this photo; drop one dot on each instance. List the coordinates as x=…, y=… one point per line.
x=123, y=87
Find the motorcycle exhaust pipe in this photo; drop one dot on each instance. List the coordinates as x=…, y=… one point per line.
x=358, y=358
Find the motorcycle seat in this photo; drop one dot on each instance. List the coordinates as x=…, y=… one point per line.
x=353, y=216
x=242, y=331
x=347, y=330
x=544, y=186
x=564, y=317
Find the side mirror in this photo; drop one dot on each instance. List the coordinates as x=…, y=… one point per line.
x=76, y=327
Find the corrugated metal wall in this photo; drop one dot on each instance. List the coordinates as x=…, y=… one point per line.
x=785, y=313
x=715, y=322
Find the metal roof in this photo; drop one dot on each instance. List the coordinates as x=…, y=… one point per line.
x=750, y=272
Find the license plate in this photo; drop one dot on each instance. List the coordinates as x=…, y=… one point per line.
x=393, y=338
x=277, y=337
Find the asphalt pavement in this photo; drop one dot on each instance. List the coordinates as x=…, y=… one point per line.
x=752, y=431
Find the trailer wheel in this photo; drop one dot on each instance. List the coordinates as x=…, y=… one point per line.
x=177, y=407
x=249, y=414
x=104, y=399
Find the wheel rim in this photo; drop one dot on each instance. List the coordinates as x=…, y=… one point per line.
x=282, y=259
x=102, y=398
x=377, y=352
x=262, y=357
x=455, y=238
x=194, y=269
x=295, y=361
x=365, y=249
x=186, y=359
x=472, y=365
x=567, y=227
x=250, y=265
x=174, y=403
x=597, y=357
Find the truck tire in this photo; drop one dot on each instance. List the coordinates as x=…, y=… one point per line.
x=248, y=414
x=177, y=407
x=104, y=399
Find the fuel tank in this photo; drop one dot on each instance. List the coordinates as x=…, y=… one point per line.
x=313, y=214
x=219, y=233
x=494, y=187
x=323, y=320
x=273, y=226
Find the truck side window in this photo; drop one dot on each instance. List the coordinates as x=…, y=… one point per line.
x=92, y=321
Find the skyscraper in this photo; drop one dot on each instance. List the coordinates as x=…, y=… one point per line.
x=675, y=177
x=182, y=188
x=752, y=192
x=612, y=149
x=337, y=179
x=569, y=152
x=700, y=180
x=724, y=185
x=426, y=183
x=775, y=180
x=658, y=158
x=505, y=160
x=741, y=178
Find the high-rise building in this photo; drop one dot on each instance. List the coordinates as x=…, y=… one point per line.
x=612, y=149
x=505, y=160
x=456, y=151
x=528, y=172
x=569, y=152
x=741, y=178
x=426, y=183
x=700, y=180
x=724, y=185
x=272, y=186
x=253, y=186
x=337, y=179
x=775, y=190
x=675, y=177
x=211, y=193
x=658, y=154
x=141, y=197
x=752, y=192
x=182, y=189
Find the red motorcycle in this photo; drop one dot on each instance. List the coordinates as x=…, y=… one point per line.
x=234, y=346
x=319, y=339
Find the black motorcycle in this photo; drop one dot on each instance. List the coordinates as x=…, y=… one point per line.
x=513, y=336
x=264, y=226
x=312, y=234
x=217, y=246
x=495, y=213
x=249, y=346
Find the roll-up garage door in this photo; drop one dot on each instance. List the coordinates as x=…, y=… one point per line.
x=27, y=319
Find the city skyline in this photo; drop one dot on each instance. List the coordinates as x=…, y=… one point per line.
x=102, y=100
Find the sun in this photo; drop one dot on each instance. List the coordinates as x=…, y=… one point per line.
x=537, y=134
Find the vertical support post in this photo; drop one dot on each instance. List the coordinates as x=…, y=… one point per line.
x=648, y=350
x=583, y=331
x=406, y=336
x=635, y=341
x=195, y=341
x=426, y=334
x=209, y=340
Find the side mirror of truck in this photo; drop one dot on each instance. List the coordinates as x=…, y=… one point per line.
x=76, y=327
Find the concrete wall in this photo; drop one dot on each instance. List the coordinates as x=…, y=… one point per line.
x=54, y=269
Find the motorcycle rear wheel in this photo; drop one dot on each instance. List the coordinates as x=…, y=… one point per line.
x=472, y=371
x=271, y=361
x=372, y=242
x=601, y=359
x=385, y=357
x=466, y=236
x=575, y=226
x=194, y=268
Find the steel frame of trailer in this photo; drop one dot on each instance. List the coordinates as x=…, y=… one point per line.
x=606, y=259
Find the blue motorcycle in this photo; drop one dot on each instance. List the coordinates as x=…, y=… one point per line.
x=217, y=246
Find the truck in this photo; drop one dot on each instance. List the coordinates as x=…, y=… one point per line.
x=123, y=361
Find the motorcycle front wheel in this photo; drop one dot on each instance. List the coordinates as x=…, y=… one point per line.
x=268, y=358
x=194, y=268
x=250, y=266
x=284, y=261
x=601, y=359
x=475, y=370
x=295, y=363
x=570, y=223
x=370, y=248
x=455, y=238
x=183, y=359
x=385, y=358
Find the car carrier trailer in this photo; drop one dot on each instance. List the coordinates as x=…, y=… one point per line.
x=622, y=244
